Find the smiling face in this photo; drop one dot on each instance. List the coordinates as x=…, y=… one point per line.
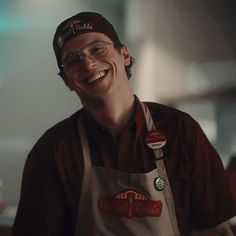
x=94, y=69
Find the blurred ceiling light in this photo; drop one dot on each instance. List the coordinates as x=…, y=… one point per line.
x=42, y=3
x=13, y=24
x=45, y=8
x=22, y=15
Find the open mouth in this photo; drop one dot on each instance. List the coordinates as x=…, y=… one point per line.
x=97, y=76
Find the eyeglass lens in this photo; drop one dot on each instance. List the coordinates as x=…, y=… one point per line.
x=94, y=51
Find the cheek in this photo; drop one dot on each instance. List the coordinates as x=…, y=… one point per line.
x=117, y=64
x=119, y=68
x=72, y=82
x=114, y=67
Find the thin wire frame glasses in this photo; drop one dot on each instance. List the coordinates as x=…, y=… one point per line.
x=94, y=50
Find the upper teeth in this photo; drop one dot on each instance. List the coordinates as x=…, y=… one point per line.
x=96, y=76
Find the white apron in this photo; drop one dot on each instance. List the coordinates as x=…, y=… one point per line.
x=117, y=203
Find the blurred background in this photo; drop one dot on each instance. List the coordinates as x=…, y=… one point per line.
x=185, y=57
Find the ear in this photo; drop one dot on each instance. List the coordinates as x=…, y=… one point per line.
x=126, y=55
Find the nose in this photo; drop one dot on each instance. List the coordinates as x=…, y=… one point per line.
x=89, y=61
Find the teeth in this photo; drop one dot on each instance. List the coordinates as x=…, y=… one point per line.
x=96, y=77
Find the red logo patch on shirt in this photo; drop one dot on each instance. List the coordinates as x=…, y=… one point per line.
x=129, y=204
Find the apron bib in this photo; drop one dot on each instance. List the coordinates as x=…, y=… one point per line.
x=114, y=203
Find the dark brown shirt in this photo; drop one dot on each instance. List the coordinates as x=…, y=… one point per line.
x=54, y=169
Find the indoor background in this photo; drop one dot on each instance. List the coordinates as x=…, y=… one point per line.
x=185, y=57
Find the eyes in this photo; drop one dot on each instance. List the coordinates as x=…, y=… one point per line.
x=95, y=50
x=72, y=59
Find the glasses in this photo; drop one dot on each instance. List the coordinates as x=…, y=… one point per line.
x=95, y=50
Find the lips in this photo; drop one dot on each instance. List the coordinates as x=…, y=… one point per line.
x=96, y=76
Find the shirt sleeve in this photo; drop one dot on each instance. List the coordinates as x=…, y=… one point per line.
x=42, y=209
x=211, y=199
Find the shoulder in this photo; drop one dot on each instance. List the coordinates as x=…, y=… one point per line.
x=52, y=150
x=65, y=126
x=64, y=129
x=159, y=110
x=55, y=138
x=172, y=118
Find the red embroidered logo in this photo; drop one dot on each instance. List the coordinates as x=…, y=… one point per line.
x=130, y=204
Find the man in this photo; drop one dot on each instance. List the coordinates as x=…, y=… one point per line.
x=118, y=166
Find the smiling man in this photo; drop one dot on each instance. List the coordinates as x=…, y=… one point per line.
x=118, y=166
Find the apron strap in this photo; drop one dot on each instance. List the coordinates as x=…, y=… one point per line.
x=161, y=170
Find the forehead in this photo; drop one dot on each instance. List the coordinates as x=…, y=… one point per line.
x=82, y=40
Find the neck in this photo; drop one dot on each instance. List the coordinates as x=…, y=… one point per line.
x=113, y=113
